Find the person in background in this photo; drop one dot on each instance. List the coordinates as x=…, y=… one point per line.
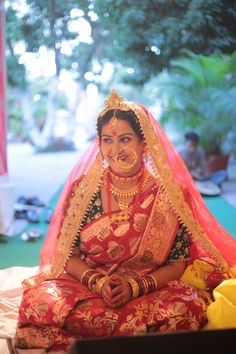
x=194, y=158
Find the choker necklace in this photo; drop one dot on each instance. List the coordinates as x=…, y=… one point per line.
x=124, y=180
x=129, y=193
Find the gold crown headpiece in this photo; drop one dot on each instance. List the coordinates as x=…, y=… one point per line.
x=115, y=101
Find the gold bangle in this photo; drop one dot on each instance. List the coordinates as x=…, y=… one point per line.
x=84, y=274
x=100, y=283
x=134, y=287
x=92, y=280
x=154, y=280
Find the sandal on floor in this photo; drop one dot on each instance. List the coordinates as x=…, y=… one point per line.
x=32, y=216
x=31, y=235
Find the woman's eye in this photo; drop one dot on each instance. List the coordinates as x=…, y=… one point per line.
x=125, y=139
x=106, y=140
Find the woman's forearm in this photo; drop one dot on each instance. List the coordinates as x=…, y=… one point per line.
x=172, y=271
x=89, y=277
x=76, y=267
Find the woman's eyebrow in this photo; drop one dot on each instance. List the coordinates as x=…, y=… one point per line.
x=106, y=135
x=125, y=134
x=119, y=136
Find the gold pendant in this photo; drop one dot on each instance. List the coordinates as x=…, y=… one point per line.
x=123, y=205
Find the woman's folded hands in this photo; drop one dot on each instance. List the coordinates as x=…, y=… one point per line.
x=116, y=292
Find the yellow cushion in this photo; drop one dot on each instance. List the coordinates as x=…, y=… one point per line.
x=222, y=312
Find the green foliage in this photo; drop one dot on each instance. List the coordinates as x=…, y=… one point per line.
x=47, y=23
x=14, y=115
x=199, y=93
x=145, y=35
x=15, y=71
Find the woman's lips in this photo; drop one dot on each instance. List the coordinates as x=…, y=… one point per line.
x=118, y=157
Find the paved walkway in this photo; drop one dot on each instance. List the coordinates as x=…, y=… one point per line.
x=42, y=174
x=38, y=174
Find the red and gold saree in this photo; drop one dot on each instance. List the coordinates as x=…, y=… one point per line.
x=170, y=223
x=56, y=311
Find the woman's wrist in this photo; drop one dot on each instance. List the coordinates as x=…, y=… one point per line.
x=100, y=283
x=90, y=277
x=142, y=285
x=134, y=287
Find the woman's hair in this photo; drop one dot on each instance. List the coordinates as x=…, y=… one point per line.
x=129, y=116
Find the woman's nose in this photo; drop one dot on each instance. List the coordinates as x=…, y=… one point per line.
x=115, y=148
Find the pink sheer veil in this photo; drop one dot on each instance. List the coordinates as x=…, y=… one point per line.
x=222, y=240
x=50, y=249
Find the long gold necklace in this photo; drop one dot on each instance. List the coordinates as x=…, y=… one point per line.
x=124, y=206
x=128, y=193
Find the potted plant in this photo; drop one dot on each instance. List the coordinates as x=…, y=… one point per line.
x=199, y=93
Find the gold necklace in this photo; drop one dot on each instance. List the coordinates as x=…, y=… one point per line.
x=124, y=206
x=124, y=216
x=124, y=193
x=124, y=180
x=128, y=193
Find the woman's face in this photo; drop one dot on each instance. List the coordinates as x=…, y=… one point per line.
x=121, y=147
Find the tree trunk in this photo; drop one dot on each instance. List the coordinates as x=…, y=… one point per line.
x=30, y=126
x=72, y=109
x=51, y=118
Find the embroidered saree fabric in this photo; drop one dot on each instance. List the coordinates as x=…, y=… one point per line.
x=169, y=223
x=55, y=312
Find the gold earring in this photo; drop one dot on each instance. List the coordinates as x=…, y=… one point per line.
x=145, y=153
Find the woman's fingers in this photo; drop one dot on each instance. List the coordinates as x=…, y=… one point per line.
x=107, y=302
x=121, y=297
x=106, y=294
x=106, y=289
x=118, y=298
x=118, y=289
x=115, y=281
x=119, y=292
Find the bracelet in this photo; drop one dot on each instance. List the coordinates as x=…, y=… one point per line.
x=99, y=284
x=86, y=275
x=93, y=280
x=89, y=278
x=154, y=281
x=147, y=284
x=134, y=287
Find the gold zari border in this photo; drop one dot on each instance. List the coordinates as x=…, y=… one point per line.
x=155, y=243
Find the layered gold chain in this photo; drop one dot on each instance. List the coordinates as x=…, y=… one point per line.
x=129, y=193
